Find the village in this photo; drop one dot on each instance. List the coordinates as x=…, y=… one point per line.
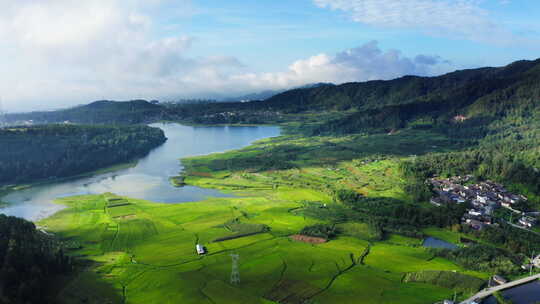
x=484, y=198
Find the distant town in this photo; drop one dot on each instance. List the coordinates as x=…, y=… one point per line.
x=484, y=198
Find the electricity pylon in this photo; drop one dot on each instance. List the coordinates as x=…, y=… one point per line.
x=235, y=273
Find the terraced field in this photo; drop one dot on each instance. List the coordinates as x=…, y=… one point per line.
x=144, y=252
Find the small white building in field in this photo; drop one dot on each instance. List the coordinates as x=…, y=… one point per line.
x=200, y=249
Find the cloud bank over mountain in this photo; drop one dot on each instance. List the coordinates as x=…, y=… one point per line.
x=59, y=53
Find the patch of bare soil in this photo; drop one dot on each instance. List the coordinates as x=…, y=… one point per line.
x=308, y=239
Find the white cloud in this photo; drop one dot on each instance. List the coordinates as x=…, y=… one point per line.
x=63, y=52
x=367, y=62
x=462, y=19
x=56, y=53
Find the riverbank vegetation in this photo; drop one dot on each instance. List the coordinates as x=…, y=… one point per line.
x=483, y=258
x=53, y=151
x=446, y=279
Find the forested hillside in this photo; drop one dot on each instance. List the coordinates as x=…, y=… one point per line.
x=98, y=112
x=474, y=97
x=49, y=151
x=29, y=262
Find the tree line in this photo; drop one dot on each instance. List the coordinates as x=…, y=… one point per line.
x=49, y=151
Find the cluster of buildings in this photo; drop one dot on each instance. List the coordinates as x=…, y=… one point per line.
x=239, y=115
x=484, y=198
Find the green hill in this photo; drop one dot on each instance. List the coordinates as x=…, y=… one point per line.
x=98, y=112
x=475, y=97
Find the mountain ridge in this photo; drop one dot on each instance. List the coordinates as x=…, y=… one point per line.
x=380, y=105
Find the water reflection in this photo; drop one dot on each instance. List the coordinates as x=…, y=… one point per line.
x=432, y=242
x=524, y=294
x=150, y=178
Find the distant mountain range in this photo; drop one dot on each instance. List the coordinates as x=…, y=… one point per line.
x=477, y=97
x=270, y=93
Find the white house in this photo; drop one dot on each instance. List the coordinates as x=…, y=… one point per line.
x=482, y=199
x=200, y=249
x=527, y=221
x=475, y=212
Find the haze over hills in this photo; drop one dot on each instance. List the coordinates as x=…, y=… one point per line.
x=476, y=95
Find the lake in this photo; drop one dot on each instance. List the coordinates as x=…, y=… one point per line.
x=149, y=179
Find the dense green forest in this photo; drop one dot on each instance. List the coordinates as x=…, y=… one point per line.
x=29, y=262
x=483, y=258
x=49, y=151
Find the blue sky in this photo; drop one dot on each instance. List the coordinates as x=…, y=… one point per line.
x=288, y=30
x=61, y=52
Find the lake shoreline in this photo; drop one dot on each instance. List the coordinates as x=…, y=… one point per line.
x=109, y=176
x=7, y=189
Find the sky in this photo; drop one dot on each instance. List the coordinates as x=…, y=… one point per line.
x=61, y=53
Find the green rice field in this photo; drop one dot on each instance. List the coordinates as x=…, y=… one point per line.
x=135, y=251
x=142, y=252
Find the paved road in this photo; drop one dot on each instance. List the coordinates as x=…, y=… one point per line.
x=521, y=227
x=489, y=291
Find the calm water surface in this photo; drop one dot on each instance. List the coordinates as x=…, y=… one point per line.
x=150, y=178
x=524, y=294
x=432, y=242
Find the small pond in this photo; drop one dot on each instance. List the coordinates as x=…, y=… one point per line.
x=432, y=242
